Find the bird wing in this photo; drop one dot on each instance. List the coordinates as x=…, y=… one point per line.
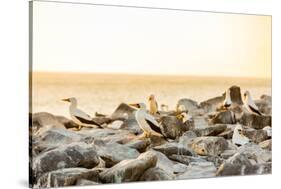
x=255, y=110
x=154, y=127
x=81, y=114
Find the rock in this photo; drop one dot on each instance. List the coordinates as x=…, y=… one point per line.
x=239, y=164
x=264, y=104
x=189, y=105
x=129, y=170
x=199, y=122
x=172, y=127
x=186, y=159
x=255, y=121
x=115, y=124
x=227, y=134
x=67, y=156
x=102, y=120
x=112, y=153
x=255, y=135
x=267, y=144
x=173, y=148
x=123, y=111
x=255, y=152
x=213, y=130
x=186, y=138
x=84, y=182
x=107, y=135
x=224, y=117
x=199, y=170
x=42, y=119
x=66, y=177
x=212, y=104
x=66, y=122
x=50, y=138
x=268, y=131
x=139, y=145
x=209, y=146
x=235, y=95
x=228, y=153
x=156, y=173
x=132, y=126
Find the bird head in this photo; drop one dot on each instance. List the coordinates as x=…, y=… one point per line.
x=138, y=106
x=151, y=97
x=246, y=94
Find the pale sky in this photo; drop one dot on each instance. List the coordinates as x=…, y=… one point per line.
x=99, y=39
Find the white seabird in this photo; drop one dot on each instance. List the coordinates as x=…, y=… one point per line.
x=238, y=138
x=184, y=117
x=227, y=100
x=250, y=105
x=78, y=116
x=153, y=106
x=146, y=121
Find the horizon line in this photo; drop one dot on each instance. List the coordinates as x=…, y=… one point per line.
x=148, y=74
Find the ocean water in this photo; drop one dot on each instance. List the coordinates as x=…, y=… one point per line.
x=104, y=92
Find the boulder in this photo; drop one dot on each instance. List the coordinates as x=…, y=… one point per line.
x=129, y=170
x=212, y=104
x=112, y=153
x=235, y=95
x=224, y=117
x=173, y=148
x=85, y=182
x=255, y=121
x=186, y=159
x=199, y=122
x=239, y=164
x=254, y=135
x=132, y=126
x=66, y=177
x=41, y=119
x=189, y=105
x=228, y=153
x=66, y=122
x=139, y=145
x=199, y=170
x=186, y=138
x=50, y=138
x=255, y=152
x=264, y=104
x=117, y=124
x=209, y=146
x=267, y=144
x=107, y=135
x=67, y=156
x=227, y=134
x=172, y=127
x=212, y=130
x=122, y=112
x=156, y=173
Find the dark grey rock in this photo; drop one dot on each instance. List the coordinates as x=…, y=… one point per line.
x=122, y=112
x=212, y=104
x=112, y=153
x=255, y=135
x=199, y=170
x=67, y=177
x=212, y=130
x=224, y=117
x=255, y=121
x=190, y=105
x=186, y=159
x=140, y=145
x=173, y=148
x=172, y=127
x=255, y=152
x=67, y=156
x=156, y=173
x=85, y=182
x=66, y=122
x=129, y=170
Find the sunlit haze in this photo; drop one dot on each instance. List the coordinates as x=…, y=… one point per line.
x=101, y=39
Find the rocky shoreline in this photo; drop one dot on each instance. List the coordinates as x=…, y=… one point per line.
x=214, y=143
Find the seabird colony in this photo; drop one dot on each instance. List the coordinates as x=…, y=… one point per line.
x=146, y=119
x=78, y=116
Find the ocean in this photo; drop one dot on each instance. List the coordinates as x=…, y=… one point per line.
x=104, y=92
